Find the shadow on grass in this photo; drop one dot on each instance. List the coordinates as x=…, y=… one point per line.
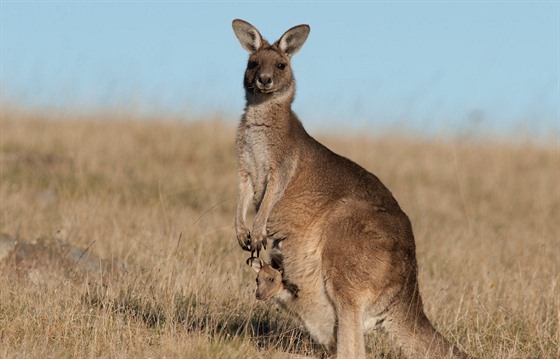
x=264, y=324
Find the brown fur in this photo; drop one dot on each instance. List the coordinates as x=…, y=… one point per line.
x=336, y=230
x=271, y=284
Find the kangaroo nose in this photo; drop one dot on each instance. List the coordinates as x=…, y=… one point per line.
x=265, y=79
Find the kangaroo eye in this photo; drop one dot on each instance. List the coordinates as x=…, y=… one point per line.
x=252, y=64
x=271, y=280
x=281, y=66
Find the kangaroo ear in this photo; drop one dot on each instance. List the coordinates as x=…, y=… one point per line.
x=255, y=263
x=293, y=39
x=248, y=35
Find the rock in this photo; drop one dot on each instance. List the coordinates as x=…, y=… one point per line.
x=47, y=257
x=7, y=245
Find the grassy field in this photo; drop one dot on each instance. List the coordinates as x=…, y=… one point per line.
x=159, y=196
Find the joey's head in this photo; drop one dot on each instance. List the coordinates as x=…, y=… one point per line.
x=269, y=73
x=269, y=280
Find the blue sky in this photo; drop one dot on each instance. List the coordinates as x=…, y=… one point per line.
x=425, y=65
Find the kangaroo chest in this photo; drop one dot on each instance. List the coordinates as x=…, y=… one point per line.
x=254, y=155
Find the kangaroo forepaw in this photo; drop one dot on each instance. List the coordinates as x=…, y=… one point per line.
x=256, y=244
x=244, y=239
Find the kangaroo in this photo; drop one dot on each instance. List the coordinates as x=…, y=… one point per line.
x=337, y=232
x=270, y=283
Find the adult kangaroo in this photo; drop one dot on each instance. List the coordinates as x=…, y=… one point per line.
x=336, y=230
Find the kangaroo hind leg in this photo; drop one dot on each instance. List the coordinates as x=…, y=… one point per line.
x=350, y=332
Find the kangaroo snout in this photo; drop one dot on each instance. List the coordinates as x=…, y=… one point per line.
x=260, y=295
x=264, y=82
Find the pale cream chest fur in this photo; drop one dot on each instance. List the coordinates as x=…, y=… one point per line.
x=253, y=148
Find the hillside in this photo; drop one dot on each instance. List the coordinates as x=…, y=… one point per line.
x=158, y=197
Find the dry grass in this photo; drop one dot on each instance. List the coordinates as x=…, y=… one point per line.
x=160, y=197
